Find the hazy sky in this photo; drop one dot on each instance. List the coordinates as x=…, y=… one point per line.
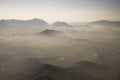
x=63, y=10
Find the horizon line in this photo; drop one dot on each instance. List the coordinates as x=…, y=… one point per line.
x=59, y=20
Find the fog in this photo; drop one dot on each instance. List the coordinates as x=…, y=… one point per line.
x=25, y=48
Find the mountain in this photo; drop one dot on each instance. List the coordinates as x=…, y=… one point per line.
x=37, y=21
x=83, y=70
x=49, y=32
x=32, y=22
x=106, y=22
x=52, y=72
x=61, y=24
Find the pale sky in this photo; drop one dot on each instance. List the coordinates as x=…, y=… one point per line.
x=61, y=10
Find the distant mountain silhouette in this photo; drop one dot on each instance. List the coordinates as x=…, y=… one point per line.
x=49, y=32
x=61, y=24
x=32, y=22
x=106, y=22
x=40, y=22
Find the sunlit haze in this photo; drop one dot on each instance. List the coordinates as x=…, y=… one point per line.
x=59, y=39
x=61, y=10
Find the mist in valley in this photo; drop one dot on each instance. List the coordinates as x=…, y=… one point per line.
x=32, y=51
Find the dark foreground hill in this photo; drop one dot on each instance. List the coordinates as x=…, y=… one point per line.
x=50, y=72
x=79, y=71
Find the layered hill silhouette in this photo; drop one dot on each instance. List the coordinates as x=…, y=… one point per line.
x=106, y=22
x=32, y=22
x=40, y=22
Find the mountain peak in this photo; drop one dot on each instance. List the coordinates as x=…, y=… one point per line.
x=36, y=19
x=49, y=32
x=59, y=23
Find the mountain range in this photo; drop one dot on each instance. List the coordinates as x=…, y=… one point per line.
x=106, y=22
x=32, y=22
x=39, y=22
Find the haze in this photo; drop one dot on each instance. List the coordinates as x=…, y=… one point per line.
x=59, y=40
x=63, y=10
